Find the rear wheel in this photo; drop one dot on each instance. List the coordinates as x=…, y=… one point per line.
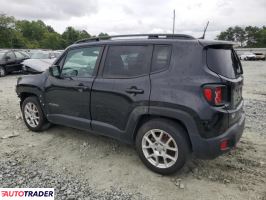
x=162, y=146
x=33, y=115
x=2, y=71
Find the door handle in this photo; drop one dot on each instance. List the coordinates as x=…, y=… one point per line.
x=134, y=90
x=81, y=87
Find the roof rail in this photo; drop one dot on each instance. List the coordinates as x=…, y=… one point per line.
x=149, y=36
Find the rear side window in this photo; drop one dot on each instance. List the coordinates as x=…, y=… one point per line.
x=161, y=57
x=127, y=61
x=224, y=62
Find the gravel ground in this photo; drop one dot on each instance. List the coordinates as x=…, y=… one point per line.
x=80, y=165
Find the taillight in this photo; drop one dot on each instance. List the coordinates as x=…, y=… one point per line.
x=218, y=96
x=215, y=94
x=208, y=94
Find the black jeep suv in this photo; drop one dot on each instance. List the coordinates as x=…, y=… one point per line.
x=170, y=95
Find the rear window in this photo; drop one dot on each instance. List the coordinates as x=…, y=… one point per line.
x=224, y=62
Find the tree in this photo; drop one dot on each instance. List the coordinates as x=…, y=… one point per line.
x=70, y=35
x=250, y=36
x=227, y=35
x=52, y=41
x=36, y=34
x=84, y=34
x=261, y=37
x=7, y=25
x=239, y=35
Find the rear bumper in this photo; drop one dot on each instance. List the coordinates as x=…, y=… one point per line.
x=210, y=148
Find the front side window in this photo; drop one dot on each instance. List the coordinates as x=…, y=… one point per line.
x=81, y=62
x=126, y=61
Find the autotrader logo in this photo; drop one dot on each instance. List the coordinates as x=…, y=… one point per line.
x=27, y=193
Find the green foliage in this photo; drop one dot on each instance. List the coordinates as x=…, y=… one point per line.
x=250, y=36
x=36, y=34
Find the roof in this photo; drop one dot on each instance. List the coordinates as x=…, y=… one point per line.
x=148, y=38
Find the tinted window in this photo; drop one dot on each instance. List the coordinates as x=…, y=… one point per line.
x=161, y=57
x=81, y=62
x=126, y=61
x=224, y=62
x=11, y=55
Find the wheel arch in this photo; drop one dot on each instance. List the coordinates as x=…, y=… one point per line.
x=180, y=117
x=26, y=91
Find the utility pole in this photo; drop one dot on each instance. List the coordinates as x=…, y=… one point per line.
x=174, y=22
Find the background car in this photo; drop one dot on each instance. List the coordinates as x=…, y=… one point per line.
x=10, y=60
x=39, y=61
x=247, y=56
x=260, y=56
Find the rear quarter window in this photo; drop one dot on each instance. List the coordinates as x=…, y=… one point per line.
x=161, y=57
x=224, y=62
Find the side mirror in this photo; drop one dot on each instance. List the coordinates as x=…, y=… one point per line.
x=54, y=70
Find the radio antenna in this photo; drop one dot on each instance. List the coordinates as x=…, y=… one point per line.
x=203, y=36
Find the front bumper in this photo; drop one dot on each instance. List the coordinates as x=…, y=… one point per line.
x=210, y=148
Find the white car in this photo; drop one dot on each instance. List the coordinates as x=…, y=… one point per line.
x=39, y=61
x=247, y=56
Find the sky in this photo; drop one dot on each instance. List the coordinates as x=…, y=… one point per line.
x=140, y=16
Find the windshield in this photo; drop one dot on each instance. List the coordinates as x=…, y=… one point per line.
x=40, y=55
x=224, y=62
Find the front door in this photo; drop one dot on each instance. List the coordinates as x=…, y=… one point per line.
x=68, y=96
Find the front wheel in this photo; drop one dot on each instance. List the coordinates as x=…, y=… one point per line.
x=162, y=146
x=33, y=115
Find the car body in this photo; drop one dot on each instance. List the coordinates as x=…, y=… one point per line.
x=169, y=95
x=260, y=56
x=39, y=61
x=247, y=56
x=10, y=60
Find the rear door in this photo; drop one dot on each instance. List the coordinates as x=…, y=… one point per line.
x=122, y=87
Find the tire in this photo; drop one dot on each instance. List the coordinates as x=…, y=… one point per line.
x=33, y=115
x=2, y=71
x=170, y=132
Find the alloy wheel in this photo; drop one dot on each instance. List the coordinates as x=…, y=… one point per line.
x=159, y=148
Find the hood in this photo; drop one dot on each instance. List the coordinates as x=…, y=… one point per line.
x=39, y=65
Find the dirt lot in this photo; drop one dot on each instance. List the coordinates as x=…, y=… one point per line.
x=80, y=165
